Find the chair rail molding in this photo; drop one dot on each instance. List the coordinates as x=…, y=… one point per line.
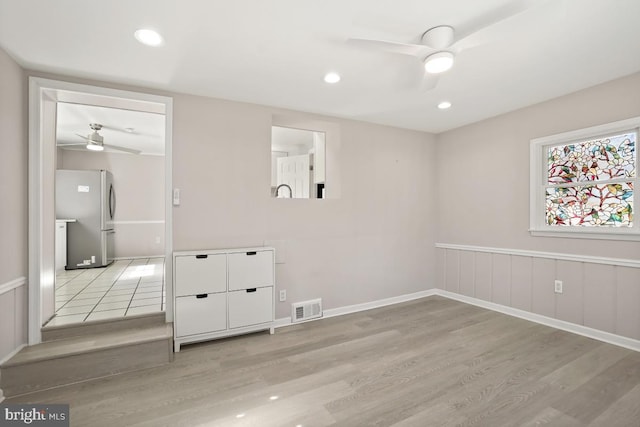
x=622, y=262
x=13, y=284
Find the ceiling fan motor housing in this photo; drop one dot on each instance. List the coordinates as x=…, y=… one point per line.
x=96, y=137
x=440, y=37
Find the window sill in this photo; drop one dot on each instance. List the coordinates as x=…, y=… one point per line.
x=581, y=234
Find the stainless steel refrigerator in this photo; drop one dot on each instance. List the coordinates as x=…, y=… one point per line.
x=88, y=197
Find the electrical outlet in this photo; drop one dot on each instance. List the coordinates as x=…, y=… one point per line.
x=283, y=295
x=558, y=286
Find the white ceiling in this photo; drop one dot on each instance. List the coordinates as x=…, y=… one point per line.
x=145, y=131
x=288, y=139
x=276, y=52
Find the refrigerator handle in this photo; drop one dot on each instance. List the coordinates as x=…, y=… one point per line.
x=112, y=202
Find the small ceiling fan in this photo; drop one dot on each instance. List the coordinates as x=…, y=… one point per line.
x=95, y=141
x=439, y=45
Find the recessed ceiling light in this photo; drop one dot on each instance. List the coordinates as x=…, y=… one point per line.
x=439, y=62
x=273, y=398
x=240, y=416
x=129, y=130
x=148, y=37
x=332, y=78
x=444, y=105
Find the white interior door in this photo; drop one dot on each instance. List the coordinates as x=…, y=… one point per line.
x=295, y=172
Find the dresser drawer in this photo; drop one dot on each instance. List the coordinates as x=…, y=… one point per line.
x=200, y=314
x=200, y=274
x=250, y=307
x=252, y=269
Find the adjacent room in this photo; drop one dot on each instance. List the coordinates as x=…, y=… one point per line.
x=317, y=213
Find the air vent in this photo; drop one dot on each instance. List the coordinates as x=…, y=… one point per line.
x=306, y=310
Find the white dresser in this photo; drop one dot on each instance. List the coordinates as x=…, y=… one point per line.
x=219, y=293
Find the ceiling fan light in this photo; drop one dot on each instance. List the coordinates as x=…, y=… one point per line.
x=439, y=62
x=94, y=147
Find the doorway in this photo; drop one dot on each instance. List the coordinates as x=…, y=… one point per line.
x=46, y=97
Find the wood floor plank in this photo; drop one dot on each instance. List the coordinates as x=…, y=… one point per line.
x=594, y=397
x=428, y=362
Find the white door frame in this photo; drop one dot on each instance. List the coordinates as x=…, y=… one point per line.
x=41, y=185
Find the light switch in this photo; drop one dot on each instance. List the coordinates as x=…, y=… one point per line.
x=176, y=197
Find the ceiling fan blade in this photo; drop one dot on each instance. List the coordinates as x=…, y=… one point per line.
x=117, y=147
x=429, y=82
x=65, y=144
x=86, y=138
x=123, y=130
x=493, y=17
x=393, y=47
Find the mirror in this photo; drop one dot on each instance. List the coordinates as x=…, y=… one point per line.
x=297, y=163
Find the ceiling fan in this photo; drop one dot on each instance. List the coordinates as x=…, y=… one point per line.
x=95, y=141
x=439, y=45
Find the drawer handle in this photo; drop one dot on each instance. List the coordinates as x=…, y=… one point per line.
x=199, y=296
x=251, y=253
x=201, y=256
x=251, y=290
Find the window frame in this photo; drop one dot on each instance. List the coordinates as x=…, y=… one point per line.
x=538, y=169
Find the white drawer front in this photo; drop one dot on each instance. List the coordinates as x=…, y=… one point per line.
x=250, y=308
x=201, y=274
x=250, y=270
x=201, y=315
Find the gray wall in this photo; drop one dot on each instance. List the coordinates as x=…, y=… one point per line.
x=13, y=209
x=375, y=241
x=484, y=198
x=139, y=184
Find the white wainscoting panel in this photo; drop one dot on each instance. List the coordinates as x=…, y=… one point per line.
x=598, y=293
x=13, y=317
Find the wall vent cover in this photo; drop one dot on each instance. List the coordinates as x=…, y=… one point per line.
x=306, y=310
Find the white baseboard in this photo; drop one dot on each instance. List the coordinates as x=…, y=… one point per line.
x=340, y=311
x=121, y=258
x=607, y=337
x=7, y=357
x=13, y=353
x=585, y=331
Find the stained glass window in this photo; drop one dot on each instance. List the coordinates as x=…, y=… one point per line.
x=590, y=183
x=597, y=160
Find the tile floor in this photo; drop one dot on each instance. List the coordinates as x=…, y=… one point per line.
x=125, y=288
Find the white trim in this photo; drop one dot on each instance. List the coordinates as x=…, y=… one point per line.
x=13, y=353
x=607, y=337
x=124, y=258
x=568, y=232
x=11, y=285
x=5, y=359
x=593, y=131
x=159, y=221
x=168, y=208
x=340, y=311
x=550, y=255
x=40, y=256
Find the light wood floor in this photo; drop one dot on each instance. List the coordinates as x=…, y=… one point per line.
x=430, y=362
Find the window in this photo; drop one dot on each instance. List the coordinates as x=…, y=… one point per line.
x=582, y=182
